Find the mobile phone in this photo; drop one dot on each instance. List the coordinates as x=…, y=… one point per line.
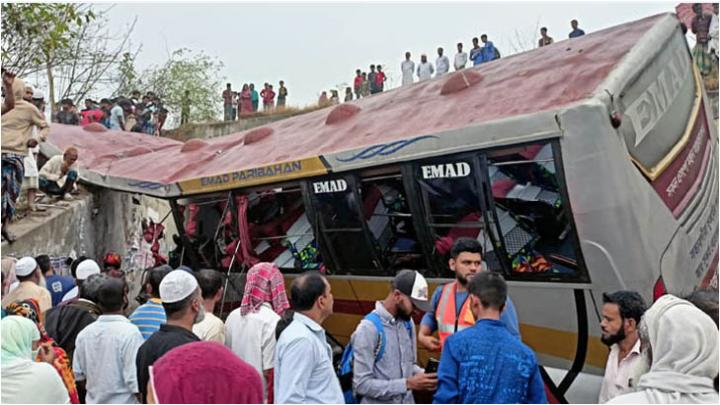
x=432, y=366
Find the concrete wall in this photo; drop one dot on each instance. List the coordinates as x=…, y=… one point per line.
x=65, y=231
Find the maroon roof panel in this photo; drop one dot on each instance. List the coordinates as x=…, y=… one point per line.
x=542, y=79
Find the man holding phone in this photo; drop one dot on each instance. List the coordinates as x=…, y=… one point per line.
x=377, y=377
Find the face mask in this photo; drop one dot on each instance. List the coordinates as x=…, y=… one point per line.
x=200, y=315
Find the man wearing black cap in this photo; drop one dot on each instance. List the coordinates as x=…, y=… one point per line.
x=377, y=378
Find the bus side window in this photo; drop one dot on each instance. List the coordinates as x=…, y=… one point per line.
x=201, y=220
x=341, y=230
x=450, y=192
x=280, y=231
x=385, y=209
x=534, y=223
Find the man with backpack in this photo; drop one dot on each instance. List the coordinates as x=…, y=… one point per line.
x=383, y=349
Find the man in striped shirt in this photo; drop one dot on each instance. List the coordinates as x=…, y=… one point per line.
x=149, y=316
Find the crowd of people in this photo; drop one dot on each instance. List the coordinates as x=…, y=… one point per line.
x=23, y=127
x=137, y=113
x=247, y=101
x=91, y=348
x=367, y=83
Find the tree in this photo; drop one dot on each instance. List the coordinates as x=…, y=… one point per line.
x=186, y=70
x=32, y=33
x=525, y=40
x=71, y=43
x=92, y=61
x=127, y=76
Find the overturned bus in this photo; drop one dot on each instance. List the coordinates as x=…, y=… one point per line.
x=582, y=167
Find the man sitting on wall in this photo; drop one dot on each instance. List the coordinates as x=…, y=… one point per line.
x=58, y=175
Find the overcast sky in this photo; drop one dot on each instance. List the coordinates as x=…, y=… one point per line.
x=318, y=46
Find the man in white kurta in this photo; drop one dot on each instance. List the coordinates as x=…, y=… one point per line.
x=408, y=70
x=442, y=63
x=425, y=69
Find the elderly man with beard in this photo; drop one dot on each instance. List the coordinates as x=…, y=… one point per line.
x=621, y=313
x=392, y=377
x=450, y=309
x=679, y=347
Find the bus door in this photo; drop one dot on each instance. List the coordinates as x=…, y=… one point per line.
x=386, y=211
x=337, y=212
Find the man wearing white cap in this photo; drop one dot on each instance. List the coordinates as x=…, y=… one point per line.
x=28, y=273
x=85, y=269
x=392, y=376
x=184, y=307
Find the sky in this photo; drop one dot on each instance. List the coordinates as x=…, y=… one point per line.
x=317, y=46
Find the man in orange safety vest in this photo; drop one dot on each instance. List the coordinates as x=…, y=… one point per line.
x=450, y=311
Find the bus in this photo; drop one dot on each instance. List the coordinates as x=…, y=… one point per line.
x=586, y=166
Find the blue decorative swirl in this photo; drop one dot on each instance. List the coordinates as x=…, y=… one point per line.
x=149, y=185
x=384, y=149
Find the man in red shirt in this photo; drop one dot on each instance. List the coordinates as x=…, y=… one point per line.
x=357, y=83
x=91, y=113
x=380, y=79
x=268, y=96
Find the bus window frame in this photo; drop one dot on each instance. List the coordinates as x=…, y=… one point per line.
x=582, y=275
x=396, y=171
x=420, y=208
x=328, y=251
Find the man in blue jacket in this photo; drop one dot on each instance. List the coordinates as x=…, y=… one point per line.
x=488, y=51
x=485, y=364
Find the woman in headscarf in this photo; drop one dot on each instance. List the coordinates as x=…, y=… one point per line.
x=24, y=380
x=30, y=309
x=245, y=105
x=679, y=344
x=250, y=329
x=203, y=373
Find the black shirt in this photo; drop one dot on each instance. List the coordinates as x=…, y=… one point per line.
x=64, y=322
x=161, y=342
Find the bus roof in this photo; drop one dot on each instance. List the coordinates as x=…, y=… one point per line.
x=525, y=89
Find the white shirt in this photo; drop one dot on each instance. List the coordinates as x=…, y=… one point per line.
x=304, y=372
x=105, y=353
x=714, y=33
x=408, y=69
x=30, y=161
x=617, y=373
x=442, y=63
x=461, y=59
x=210, y=329
x=33, y=383
x=52, y=169
x=252, y=337
x=425, y=71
